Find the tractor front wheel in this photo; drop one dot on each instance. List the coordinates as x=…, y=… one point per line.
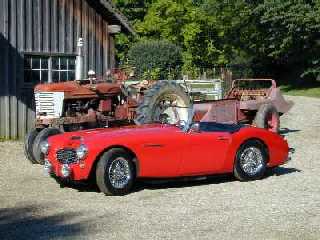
x=28, y=145
x=42, y=136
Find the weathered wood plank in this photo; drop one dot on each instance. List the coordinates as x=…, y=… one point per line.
x=77, y=23
x=29, y=26
x=54, y=26
x=99, y=45
x=13, y=56
x=62, y=25
x=92, y=40
x=105, y=46
x=69, y=26
x=46, y=25
x=85, y=35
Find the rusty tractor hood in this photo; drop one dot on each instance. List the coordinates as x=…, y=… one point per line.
x=74, y=89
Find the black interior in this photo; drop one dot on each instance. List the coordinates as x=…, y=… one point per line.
x=219, y=127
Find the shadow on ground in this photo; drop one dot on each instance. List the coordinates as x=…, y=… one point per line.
x=279, y=171
x=192, y=182
x=285, y=131
x=28, y=223
x=156, y=184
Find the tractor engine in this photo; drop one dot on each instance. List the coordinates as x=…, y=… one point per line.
x=76, y=105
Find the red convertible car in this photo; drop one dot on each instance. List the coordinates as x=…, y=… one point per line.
x=117, y=157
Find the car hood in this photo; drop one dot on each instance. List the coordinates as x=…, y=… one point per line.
x=102, y=135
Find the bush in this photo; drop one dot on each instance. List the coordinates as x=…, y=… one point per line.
x=155, y=60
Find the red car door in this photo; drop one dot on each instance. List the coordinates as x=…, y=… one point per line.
x=205, y=152
x=161, y=154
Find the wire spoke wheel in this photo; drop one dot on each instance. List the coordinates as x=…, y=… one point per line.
x=119, y=173
x=251, y=160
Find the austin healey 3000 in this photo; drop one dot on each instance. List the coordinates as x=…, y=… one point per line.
x=116, y=158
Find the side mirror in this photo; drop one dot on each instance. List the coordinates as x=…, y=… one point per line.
x=195, y=127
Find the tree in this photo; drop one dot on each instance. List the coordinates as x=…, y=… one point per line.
x=290, y=32
x=134, y=10
x=155, y=59
x=263, y=35
x=187, y=25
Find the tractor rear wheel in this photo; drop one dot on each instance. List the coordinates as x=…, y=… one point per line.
x=42, y=136
x=28, y=145
x=268, y=117
x=165, y=102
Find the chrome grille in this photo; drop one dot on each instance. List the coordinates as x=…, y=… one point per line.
x=67, y=156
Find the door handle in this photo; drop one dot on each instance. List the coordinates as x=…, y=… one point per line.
x=222, y=138
x=153, y=145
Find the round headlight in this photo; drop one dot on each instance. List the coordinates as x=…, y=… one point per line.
x=81, y=151
x=44, y=147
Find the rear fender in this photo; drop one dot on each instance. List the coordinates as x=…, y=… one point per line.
x=277, y=147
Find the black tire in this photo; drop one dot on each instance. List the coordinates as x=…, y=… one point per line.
x=28, y=145
x=262, y=116
x=240, y=172
x=43, y=135
x=103, y=172
x=146, y=111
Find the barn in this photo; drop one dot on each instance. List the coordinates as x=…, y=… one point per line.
x=38, y=44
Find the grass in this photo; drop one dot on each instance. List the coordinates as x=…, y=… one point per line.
x=3, y=139
x=307, y=91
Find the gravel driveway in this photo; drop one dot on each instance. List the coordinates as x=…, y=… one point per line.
x=284, y=205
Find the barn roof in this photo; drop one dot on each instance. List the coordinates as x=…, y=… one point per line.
x=117, y=17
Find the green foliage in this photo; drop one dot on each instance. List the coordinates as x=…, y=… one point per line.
x=264, y=36
x=122, y=44
x=134, y=10
x=301, y=91
x=288, y=33
x=188, y=26
x=155, y=59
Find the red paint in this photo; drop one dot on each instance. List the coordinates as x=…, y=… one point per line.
x=167, y=151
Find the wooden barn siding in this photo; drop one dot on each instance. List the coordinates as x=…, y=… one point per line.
x=44, y=26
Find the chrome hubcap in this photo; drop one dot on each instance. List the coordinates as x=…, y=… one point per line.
x=251, y=160
x=119, y=172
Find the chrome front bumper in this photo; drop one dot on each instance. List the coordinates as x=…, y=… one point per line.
x=65, y=169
